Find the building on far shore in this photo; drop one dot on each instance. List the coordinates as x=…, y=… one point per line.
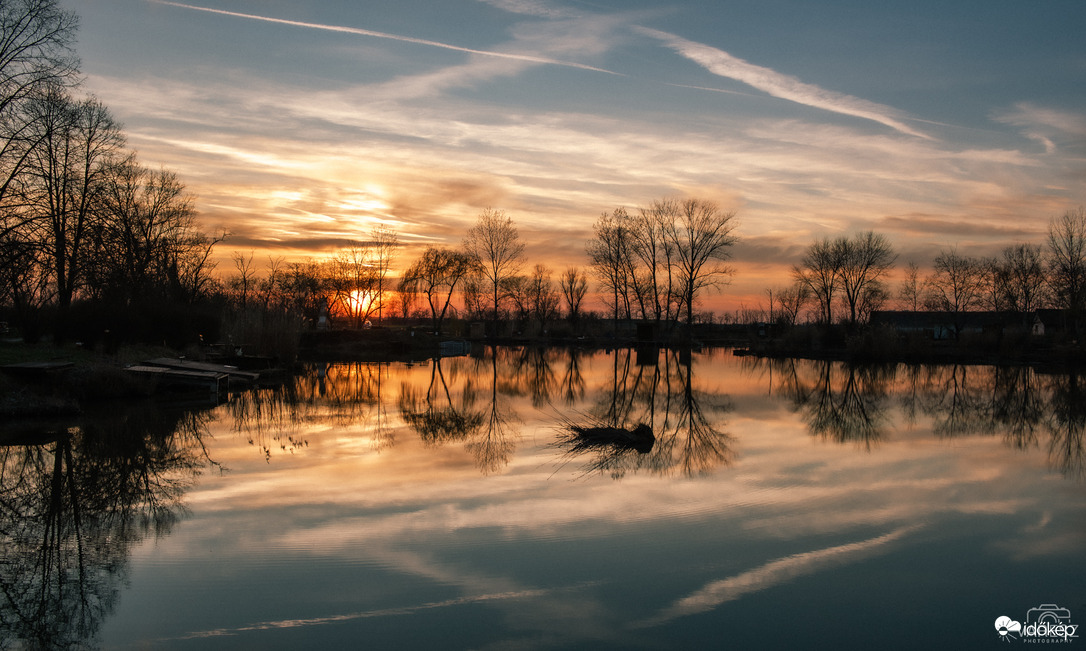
x=951, y=325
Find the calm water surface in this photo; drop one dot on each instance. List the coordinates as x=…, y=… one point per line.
x=452, y=504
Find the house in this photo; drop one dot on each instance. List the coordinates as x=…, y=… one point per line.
x=951, y=325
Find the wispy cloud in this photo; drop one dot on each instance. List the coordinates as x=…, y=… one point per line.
x=779, y=571
x=780, y=85
x=1045, y=125
x=395, y=37
x=535, y=8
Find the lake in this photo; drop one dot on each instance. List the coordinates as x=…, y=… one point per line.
x=507, y=500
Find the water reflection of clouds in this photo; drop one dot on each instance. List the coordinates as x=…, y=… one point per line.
x=783, y=570
x=419, y=508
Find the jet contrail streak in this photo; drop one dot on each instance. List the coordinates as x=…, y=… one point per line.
x=406, y=39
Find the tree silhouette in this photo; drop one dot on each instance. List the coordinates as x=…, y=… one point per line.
x=1067, y=262
x=494, y=243
x=436, y=275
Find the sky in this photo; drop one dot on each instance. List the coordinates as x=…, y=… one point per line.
x=300, y=126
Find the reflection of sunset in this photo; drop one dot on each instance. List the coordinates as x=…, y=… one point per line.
x=396, y=475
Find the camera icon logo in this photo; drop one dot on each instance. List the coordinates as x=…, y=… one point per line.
x=1048, y=614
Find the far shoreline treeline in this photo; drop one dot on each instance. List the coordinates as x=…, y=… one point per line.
x=97, y=248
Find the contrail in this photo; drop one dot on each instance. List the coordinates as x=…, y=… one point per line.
x=780, y=85
x=393, y=37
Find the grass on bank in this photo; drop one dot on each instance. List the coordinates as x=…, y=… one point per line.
x=93, y=376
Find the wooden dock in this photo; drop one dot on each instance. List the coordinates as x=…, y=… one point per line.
x=179, y=364
x=171, y=378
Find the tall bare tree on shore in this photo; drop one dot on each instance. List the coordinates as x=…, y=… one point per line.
x=35, y=55
x=609, y=252
x=145, y=238
x=790, y=302
x=1067, y=262
x=574, y=287
x=650, y=247
x=78, y=144
x=819, y=271
x=385, y=242
x=865, y=260
x=911, y=291
x=1018, y=279
x=495, y=243
x=957, y=285
x=436, y=275
x=701, y=238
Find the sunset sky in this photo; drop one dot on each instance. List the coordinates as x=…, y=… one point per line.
x=301, y=125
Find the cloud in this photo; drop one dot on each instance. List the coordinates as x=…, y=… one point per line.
x=405, y=39
x=780, y=85
x=536, y=8
x=938, y=225
x=1046, y=125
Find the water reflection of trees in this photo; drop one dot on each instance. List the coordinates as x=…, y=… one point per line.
x=843, y=403
x=659, y=390
x=470, y=401
x=1066, y=422
x=1017, y=403
x=72, y=508
x=466, y=402
x=274, y=417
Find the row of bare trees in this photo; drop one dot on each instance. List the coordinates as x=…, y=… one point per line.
x=655, y=263
x=80, y=217
x=844, y=279
x=652, y=265
x=487, y=271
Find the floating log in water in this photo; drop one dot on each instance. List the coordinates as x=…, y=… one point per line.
x=639, y=438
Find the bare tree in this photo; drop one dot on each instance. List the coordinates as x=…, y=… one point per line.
x=701, y=238
x=911, y=292
x=474, y=296
x=385, y=241
x=35, y=48
x=543, y=299
x=1067, y=262
x=244, y=283
x=609, y=252
x=78, y=144
x=820, y=271
x=35, y=55
x=652, y=258
x=791, y=301
x=146, y=239
x=865, y=260
x=494, y=242
x=436, y=275
x=1018, y=279
x=957, y=285
x=574, y=287
x=407, y=297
